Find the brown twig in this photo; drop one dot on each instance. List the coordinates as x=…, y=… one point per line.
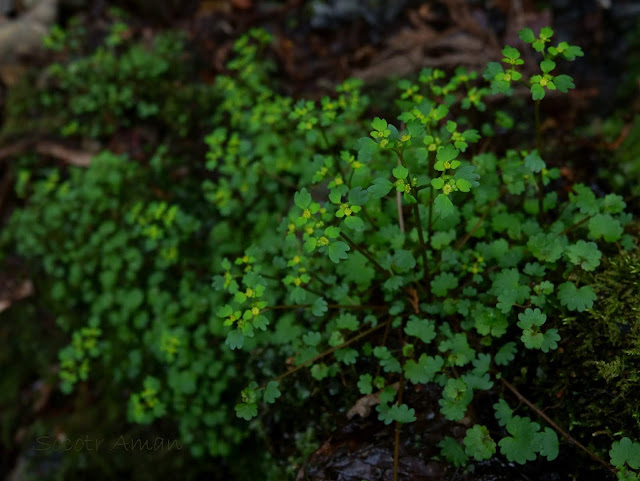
x=577, y=224
x=78, y=158
x=75, y=157
x=562, y=432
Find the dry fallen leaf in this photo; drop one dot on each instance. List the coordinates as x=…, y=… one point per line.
x=70, y=156
x=364, y=404
x=13, y=294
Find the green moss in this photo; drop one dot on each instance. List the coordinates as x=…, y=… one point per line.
x=597, y=374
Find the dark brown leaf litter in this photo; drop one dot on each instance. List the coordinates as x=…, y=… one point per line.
x=320, y=43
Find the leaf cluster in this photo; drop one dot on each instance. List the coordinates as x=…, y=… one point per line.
x=386, y=252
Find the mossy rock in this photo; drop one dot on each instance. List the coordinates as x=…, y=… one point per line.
x=593, y=384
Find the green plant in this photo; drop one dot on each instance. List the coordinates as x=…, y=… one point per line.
x=122, y=250
x=118, y=271
x=403, y=257
x=595, y=374
x=457, y=258
x=123, y=83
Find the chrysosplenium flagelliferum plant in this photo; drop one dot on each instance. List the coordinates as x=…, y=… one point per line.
x=122, y=251
x=466, y=258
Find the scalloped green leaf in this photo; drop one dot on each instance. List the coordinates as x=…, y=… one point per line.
x=302, y=199
x=478, y=443
x=380, y=188
x=520, y=446
x=338, y=251
x=354, y=223
x=447, y=153
x=365, y=385
x=246, y=411
x=423, y=329
x=576, y=299
x=624, y=452
x=400, y=172
x=271, y=392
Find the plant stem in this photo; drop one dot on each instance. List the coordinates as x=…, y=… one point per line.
x=312, y=291
x=431, y=190
x=423, y=247
x=539, y=149
x=324, y=138
x=400, y=215
x=327, y=352
x=329, y=306
x=577, y=224
x=366, y=214
x=396, y=443
x=466, y=238
x=430, y=219
x=399, y=197
x=383, y=343
x=364, y=252
x=549, y=421
x=538, y=131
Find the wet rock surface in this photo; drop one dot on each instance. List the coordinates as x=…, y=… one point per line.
x=363, y=449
